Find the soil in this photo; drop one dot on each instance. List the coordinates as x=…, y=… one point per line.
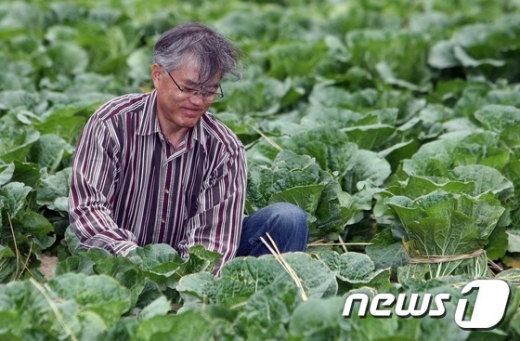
x=48, y=263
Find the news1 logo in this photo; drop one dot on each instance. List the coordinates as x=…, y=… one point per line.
x=488, y=311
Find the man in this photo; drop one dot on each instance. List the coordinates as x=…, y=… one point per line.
x=158, y=168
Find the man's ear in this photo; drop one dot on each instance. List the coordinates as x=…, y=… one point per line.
x=156, y=74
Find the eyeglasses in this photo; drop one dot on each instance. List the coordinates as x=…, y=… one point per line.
x=206, y=95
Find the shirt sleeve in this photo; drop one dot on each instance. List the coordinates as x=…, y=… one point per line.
x=217, y=224
x=94, y=172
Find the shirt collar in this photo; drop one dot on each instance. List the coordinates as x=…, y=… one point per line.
x=149, y=124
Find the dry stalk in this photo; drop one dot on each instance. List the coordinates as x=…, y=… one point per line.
x=25, y=264
x=238, y=305
x=268, y=139
x=318, y=243
x=54, y=309
x=342, y=243
x=495, y=266
x=443, y=258
x=18, y=254
x=277, y=255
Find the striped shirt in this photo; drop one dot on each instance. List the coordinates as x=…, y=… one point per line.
x=130, y=187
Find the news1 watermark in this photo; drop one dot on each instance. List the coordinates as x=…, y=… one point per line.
x=488, y=310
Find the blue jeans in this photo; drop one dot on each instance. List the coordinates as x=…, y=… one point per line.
x=285, y=223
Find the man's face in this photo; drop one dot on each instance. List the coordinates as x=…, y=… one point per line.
x=179, y=110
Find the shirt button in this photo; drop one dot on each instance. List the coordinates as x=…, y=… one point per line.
x=167, y=191
x=163, y=221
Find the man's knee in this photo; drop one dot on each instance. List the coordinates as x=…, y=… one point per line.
x=285, y=223
x=290, y=214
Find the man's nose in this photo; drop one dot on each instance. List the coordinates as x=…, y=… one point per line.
x=197, y=98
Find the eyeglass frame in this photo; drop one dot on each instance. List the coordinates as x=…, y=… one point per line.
x=206, y=95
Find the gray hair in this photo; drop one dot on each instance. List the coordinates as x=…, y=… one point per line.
x=214, y=55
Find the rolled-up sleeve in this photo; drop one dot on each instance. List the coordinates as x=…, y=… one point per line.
x=94, y=173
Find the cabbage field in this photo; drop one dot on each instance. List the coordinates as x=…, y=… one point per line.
x=394, y=124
